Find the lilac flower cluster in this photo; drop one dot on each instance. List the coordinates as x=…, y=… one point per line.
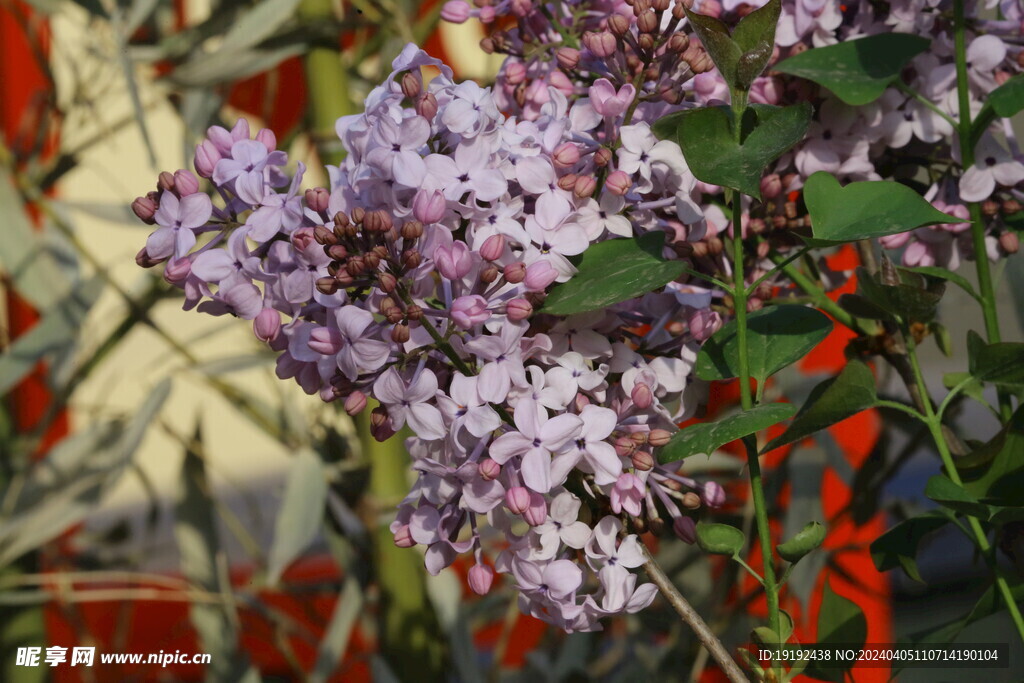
x=416, y=279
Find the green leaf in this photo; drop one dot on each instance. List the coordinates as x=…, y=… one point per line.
x=1008, y=99
x=720, y=539
x=1001, y=364
x=943, y=491
x=857, y=71
x=776, y=337
x=974, y=388
x=898, y=546
x=944, y=274
x=806, y=540
x=755, y=34
x=302, y=509
x=864, y=210
x=706, y=137
x=831, y=402
x=707, y=437
x=991, y=602
x=840, y=621
x=942, y=338
x=257, y=24
x=861, y=307
x=714, y=36
x=334, y=644
x=613, y=271
x=994, y=472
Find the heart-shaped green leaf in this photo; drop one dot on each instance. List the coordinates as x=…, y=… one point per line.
x=777, y=336
x=613, y=271
x=857, y=71
x=831, y=402
x=707, y=437
x=946, y=493
x=1001, y=364
x=720, y=539
x=898, y=546
x=866, y=209
x=994, y=472
x=807, y=539
x=706, y=137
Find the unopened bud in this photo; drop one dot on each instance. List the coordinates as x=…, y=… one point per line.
x=618, y=183
x=493, y=247
x=317, y=199
x=618, y=24
x=517, y=500
x=584, y=186
x=426, y=106
x=567, y=182
x=685, y=529
x=642, y=396
x=489, y=469
x=515, y=272
x=414, y=312
x=480, y=578
x=713, y=494
x=602, y=157
x=643, y=461
x=400, y=334
x=658, y=437
x=489, y=274
x=410, y=85
x=266, y=325
x=185, y=183
x=647, y=22
x=403, y=537
x=355, y=403
x=568, y=57
x=691, y=501
x=1009, y=242
x=518, y=309
x=566, y=155
x=624, y=447
x=537, y=512
x=989, y=208
x=601, y=43
x=145, y=208
x=327, y=285
x=678, y=43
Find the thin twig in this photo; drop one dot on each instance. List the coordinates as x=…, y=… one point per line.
x=685, y=610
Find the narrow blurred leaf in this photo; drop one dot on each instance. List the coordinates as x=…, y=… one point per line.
x=334, y=644
x=974, y=388
x=57, y=332
x=31, y=262
x=221, y=67
x=948, y=494
x=128, y=69
x=777, y=336
x=831, y=402
x=258, y=24
x=707, y=437
x=1001, y=364
x=807, y=539
x=857, y=71
x=706, y=137
x=302, y=510
x=864, y=210
x=942, y=338
x=719, y=539
x=613, y=271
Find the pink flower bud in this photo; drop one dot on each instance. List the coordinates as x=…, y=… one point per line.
x=521, y=8
x=206, y=158
x=618, y=182
x=584, y=186
x=537, y=512
x=515, y=272
x=602, y=44
x=267, y=137
x=539, y=275
x=489, y=469
x=480, y=578
x=703, y=323
x=624, y=447
x=455, y=11
x=568, y=57
x=403, y=537
x=177, y=270
x=685, y=528
x=428, y=206
x=642, y=396
x=468, y=311
x=659, y=437
x=185, y=183
x=266, y=325
x=493, y=247
x=144, y=208
x=518, y=309
x=771, y=186
x=317, y=199
x=144, y=260
x=355, y=403
x=515, y=73
x=517, y=500
x=643, y=461
x=713, y=494
x=453, y=262
x=426, y=106
x=411, y=85
x=566, y=155
x=1009, y=242
x=326, y=341
x=487, y=14
x=303, y=238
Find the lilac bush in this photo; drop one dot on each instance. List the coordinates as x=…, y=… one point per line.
x=443, y=273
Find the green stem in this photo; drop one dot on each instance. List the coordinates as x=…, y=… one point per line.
x=934, y=423
x=986, y=287
x=907, y=90
x=818, y=295
x=747, y=402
